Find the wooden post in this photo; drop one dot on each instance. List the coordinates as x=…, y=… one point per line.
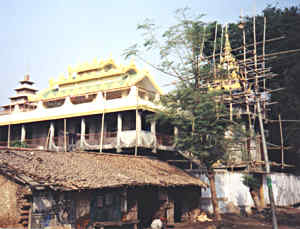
x=102, y=124
x=8, y=136
x=65, y=135
x=136, y=123
x=119, y=132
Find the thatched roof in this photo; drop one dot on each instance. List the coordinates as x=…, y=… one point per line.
x=74, y=170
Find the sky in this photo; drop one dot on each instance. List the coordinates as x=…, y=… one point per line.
x=44, y=37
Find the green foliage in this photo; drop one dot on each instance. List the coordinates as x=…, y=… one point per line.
x=19, y=144
x=251, y=181
x=180, y=46
x=202, y=121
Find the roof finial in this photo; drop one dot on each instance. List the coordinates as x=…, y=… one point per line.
x=227, y=46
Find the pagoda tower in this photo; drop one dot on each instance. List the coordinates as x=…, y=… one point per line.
x=19, y=102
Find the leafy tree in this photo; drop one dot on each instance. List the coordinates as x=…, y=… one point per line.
x=204, y=131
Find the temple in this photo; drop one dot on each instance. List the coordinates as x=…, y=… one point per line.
x=96, y=106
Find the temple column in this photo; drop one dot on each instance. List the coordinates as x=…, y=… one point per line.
x=119, y=123
x=153, y=132
x=82, y=133
x=51, y=135
x=23, y=133
x=138, y=126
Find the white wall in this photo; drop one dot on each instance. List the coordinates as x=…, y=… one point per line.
x=286, y=189
x=229, y=186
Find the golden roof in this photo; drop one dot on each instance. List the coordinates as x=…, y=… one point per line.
x=93, y=77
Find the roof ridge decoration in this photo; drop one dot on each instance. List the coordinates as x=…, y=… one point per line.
x=82, y=79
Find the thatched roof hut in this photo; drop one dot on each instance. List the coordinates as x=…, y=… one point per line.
x=81, y=170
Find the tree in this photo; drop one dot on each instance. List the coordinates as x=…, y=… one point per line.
x=204, y=130
x=253, y=183
x=199, y=114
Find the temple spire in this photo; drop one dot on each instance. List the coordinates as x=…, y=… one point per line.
x=227, y=46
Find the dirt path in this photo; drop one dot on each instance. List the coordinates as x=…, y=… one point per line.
x=288, y=218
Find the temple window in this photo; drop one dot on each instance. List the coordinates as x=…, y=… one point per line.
x=146, y=125
x=83, y=98
x=54, y=103
x=113, y=95
x=128, y=120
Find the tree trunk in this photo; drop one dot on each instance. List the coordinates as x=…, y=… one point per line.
x=256, y=200
x=261, y=195
x=211, y=178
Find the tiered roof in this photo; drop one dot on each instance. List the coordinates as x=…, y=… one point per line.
x=93, y=77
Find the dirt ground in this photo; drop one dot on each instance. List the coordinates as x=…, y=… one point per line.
x=288, y=218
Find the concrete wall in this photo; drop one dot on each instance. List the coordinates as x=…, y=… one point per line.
x=232, y=192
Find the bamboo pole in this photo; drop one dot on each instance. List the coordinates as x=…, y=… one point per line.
x=221, y=48
x=267, y=165
x=284, y=120
x=214, y=52
x=281, y=141
x=262, y=132
x=202, y=43
x=249, y=45
x=246, y=78
x=47, y=139
x=264, y=79
x=230, y=106
x=255, y=52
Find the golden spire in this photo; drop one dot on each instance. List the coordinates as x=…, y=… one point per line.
x=227, y=46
